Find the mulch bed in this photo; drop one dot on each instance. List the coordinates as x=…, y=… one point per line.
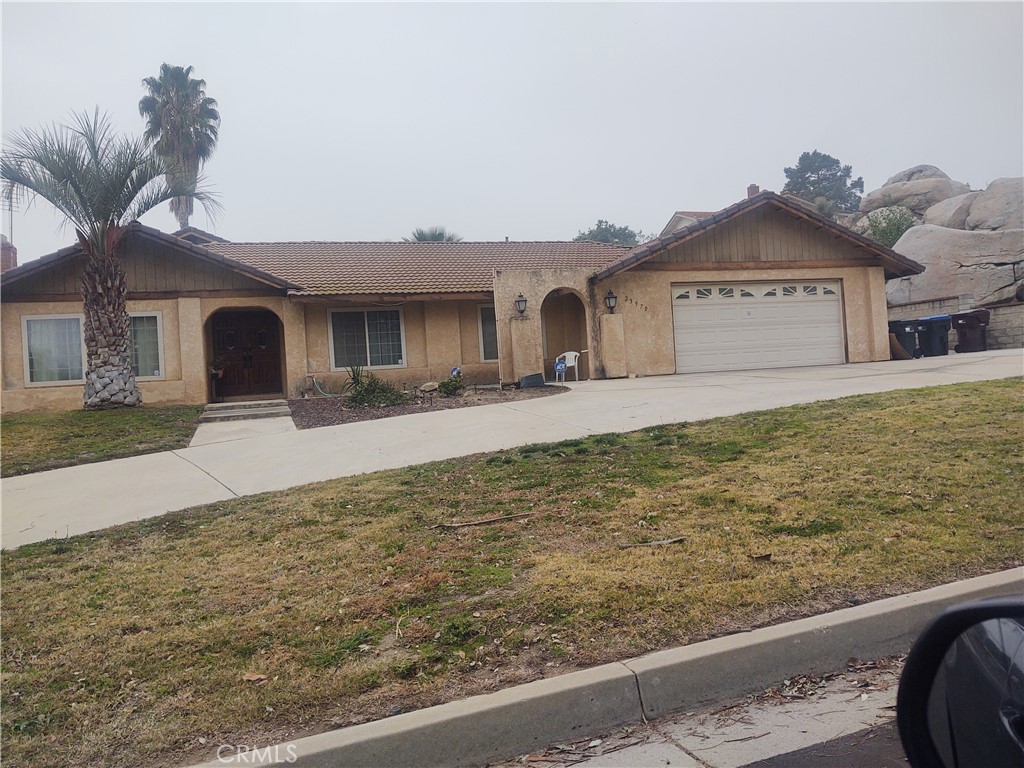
x=328, y=411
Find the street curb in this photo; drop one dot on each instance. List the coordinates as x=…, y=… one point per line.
x=726, y=667
x=495, y=726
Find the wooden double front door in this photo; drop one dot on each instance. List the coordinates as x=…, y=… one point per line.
x=249, y=343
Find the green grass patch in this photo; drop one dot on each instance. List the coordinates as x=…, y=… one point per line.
x=34, y=442
x=340, y=601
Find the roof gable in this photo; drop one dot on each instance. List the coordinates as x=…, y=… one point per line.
x=895, y=265
x=60, y=268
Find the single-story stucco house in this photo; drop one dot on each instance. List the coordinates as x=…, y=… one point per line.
x=763, y=283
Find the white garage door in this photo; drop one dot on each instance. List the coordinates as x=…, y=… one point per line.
x=734, y=326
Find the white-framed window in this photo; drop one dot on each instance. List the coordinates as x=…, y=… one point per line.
x=374, y=338
x=54, y=349
x=488, y=327
x=147, y=344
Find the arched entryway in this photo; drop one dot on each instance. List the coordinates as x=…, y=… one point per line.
x=563, y=322
x=248, y=344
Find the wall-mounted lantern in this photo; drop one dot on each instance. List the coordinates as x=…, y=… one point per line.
x=610, y=301
x=520, y=302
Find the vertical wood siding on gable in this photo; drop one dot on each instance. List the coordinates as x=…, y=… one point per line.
x=764, y=234
x=149, y=267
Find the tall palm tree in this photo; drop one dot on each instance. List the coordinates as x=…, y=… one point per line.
x=101, y=182
x=436, y=234
x=183, y=124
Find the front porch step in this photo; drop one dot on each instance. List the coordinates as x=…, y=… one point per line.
x=243, y=405
x=257, y=409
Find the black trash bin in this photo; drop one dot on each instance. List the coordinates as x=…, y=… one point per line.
x=933, y=335
x=971, y=335
x=905, y=332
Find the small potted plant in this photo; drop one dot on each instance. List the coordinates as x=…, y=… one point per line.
x=217, y=367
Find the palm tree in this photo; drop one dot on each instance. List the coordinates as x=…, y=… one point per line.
x=183, y=124
x=101, y=182
x=434, y=234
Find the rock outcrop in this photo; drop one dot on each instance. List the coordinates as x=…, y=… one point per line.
x=918, y=195
x=915, y=173
x=999, y=207
x=970, y=242
x=951, y=212
x=958, y=262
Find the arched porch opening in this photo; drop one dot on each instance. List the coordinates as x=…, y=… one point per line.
x=248, y=346
x=563, y=323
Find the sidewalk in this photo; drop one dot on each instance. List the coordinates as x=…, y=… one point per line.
x=75, y=500
x=801, y=712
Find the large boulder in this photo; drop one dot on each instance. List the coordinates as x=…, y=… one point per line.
x=957, y=263
x=917, y=172
x=952, y=212
x=999, y=207
x=918, y=195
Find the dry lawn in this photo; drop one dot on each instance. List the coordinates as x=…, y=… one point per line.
x=34, y=442
x=342, y=602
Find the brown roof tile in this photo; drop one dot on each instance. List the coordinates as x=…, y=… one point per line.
x=325, y=268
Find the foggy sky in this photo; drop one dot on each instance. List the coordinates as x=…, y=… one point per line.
x=362, y=122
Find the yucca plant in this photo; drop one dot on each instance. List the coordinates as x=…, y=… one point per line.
x=101, y=181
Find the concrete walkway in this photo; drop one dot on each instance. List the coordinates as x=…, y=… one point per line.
x=75, y=500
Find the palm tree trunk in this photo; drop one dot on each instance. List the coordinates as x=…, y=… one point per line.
x=109, y=380
x=182, y=208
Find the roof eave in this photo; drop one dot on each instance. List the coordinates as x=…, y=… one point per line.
x=38, y=265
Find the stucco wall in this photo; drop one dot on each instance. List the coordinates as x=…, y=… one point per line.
x=439, y=335
x=520, y=337
x=185, y=350
x=172, y=387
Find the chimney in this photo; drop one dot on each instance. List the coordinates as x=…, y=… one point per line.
x=8, y=254
x=752, y=190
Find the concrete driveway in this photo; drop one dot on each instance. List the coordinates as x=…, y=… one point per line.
x=66, y=502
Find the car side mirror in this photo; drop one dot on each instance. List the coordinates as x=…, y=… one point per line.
x=961, y=697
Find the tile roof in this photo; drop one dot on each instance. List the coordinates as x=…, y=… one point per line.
x=399, y=268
